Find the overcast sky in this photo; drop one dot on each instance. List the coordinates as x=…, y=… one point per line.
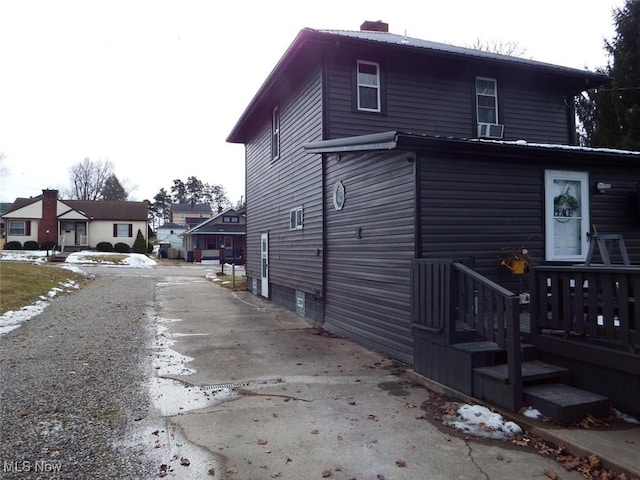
x=156, y=86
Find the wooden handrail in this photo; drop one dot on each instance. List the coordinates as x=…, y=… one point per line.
x=496, y=316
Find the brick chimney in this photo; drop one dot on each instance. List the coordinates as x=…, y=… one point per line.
x=379, y=26
x=49, y=219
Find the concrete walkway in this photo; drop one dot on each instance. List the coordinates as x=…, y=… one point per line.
x=306, y=405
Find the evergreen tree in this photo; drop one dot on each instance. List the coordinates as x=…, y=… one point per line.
x=610, y=115
x=140, y=245
x=161, y=206
x=179, y=191
x=113, y=189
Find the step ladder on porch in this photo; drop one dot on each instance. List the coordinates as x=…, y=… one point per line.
x=605, y=245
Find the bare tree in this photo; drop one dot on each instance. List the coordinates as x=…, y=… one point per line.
x=501, y=47
x=88, y=178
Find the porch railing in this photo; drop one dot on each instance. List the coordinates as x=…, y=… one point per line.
x=599, y=303
x=452, y=299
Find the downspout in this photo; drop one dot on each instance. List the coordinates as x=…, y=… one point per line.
x=324, y=161
x=417, y=222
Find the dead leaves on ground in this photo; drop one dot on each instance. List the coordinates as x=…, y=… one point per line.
x=589, y=467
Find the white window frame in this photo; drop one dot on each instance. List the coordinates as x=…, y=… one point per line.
x=495, y=100
x=361, y=83
x=120, y=227
x=275, y=134
x=13, y=231
x=559, y=218
x=296, y=218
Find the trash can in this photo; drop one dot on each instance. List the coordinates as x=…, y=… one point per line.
x=190, y=256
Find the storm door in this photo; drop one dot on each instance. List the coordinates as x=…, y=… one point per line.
x=264, y=264
x=566, y=215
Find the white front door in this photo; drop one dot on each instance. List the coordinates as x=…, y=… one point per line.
x=264, y=265
x=567, y=215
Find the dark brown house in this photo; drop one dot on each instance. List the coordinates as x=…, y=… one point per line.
x=386, y=178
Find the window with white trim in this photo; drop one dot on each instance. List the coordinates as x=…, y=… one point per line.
x=122, y=230
x=486, y=100
x=18, y=227
x=368, y=88
x=275, y=134
x=295, y=218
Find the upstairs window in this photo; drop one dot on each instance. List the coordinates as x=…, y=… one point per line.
x=295, y=219
x=233, y=219
x=487, y=100
x=275, y=134
x=368, y=86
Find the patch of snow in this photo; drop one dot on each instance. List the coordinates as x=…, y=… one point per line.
x=132, y=260
x=532, y=413
x=14, y=318
x=479, y=421
x=74, y=269
x=33, y=256
x=626, y=418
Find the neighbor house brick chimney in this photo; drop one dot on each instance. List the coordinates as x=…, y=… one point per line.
x=379, y=26
x=49, y=219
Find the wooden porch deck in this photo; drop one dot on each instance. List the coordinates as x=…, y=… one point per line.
x=581, y=319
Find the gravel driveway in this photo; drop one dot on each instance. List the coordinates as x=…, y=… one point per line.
x=73, y=384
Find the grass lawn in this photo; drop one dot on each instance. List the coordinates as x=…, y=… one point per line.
x=227, y=282
x=23, y=283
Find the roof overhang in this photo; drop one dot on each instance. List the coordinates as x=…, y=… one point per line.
x=394, y=140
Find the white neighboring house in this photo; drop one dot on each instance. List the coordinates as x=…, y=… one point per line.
x=169, y=237
x=75, y=224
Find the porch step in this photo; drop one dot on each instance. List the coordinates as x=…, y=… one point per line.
x=491, y=383
x=60, y=257
x=565, y=403
x=492, y=353
x=533, y=371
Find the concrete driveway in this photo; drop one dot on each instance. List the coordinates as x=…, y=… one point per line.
x=287, y=401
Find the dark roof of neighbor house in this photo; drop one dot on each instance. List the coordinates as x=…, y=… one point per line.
x=213, y=225
x=191, y=207
x=169, y=226
x=97, y=209
x=577, y=80
x=111, y=209
x=394, y=140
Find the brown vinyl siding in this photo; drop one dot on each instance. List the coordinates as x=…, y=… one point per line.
x=275, y=187
x=367, y=286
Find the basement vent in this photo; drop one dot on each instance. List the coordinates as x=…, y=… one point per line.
x=300, y=303
x=254, y=286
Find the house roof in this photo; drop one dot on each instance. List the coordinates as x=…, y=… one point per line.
x=577, y=80
x=96, y=209
x=110, y=209
x=171, y=226
x=394, y=140
x=191, y=207
x=214, y=226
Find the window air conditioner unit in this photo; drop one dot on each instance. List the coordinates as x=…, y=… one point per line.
x=490, y=130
